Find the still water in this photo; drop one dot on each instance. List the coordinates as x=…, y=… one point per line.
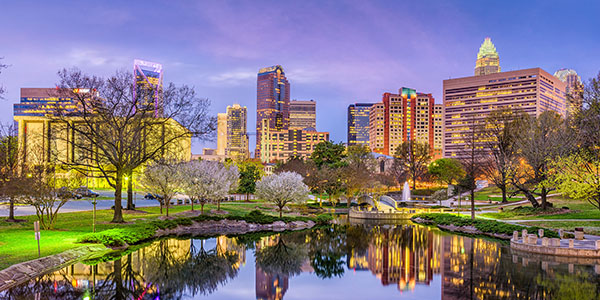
x=402, y=261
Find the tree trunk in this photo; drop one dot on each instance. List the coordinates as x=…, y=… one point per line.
x=472, y=204
x=280, y=213
x=192, y=203
x=218, y=205
x=167, y=203
x=161, y=206
x=11, y=210
x=529, y=195
x=543, y=196
x=504, y=199
x=201, y=208
x=118, y=214
x=130, y=191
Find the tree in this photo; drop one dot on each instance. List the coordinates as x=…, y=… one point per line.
x=119, y=126
x=10, y=166
x=358, y=172
x=250, y=173
x=446, y=170
x=2, y=90
x=500, y=139
x=281, y=189
x=329, y=154
x=161, y=178
x=540, y=141
x=410, y=161
x=472, y=157
x=282, y=258
x=206, y=181
x=578, y=175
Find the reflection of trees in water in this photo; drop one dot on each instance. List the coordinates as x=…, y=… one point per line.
x=285, y=257
x=44, y=287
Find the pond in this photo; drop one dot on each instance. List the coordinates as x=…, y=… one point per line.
x=399, y=261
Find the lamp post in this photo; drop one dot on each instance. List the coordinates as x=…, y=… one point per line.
x=94, y=218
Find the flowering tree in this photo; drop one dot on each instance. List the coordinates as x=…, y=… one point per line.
x=161, y=178
x=282, y=188
x=206, y=181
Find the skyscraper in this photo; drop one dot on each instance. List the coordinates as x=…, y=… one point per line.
x=272, y=101
x=574, y=89
x=406, y=116
x=488, y=61
x=469, y=100
x=148, y=86
x=358, y=123
x=303, y=114
x=237, y=135
x=221, y=133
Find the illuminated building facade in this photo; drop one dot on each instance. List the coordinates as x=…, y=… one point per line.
x=272, y=102
x=358, y=123
x=221, y=133
x=438, y=130
x=488, y=61
x=406, y=116
x=41, y=102
x=303, y=114
x=237, y=134
x=469, y=100
x=149, y=85
x=280, y=145
x=574, y=89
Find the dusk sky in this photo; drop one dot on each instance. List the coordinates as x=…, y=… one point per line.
x=335, y=52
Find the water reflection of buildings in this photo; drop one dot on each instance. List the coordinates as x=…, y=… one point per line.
x=402, y=255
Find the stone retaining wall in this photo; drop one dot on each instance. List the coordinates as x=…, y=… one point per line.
x=554, y=246
x=376, y=215
x=25, y=271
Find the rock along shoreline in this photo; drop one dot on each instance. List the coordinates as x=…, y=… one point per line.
x=25, y=271
x=471, y=230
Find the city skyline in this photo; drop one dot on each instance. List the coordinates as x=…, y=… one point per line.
x=222, y=59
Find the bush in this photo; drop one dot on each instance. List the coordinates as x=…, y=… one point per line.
x=487, y=226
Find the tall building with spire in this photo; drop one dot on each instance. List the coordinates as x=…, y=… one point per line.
x=272, y=102
x=488, y=61
x=574, y=89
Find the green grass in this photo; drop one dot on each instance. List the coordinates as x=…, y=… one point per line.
x=578, y=210
x=485, y=193
x=590, y=227
x=17, y=242
x=483, y=225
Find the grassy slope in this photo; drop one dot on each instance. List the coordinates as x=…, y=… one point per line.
x=17, y=242
x=580, y=210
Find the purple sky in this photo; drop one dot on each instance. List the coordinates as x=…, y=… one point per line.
x=335, y=52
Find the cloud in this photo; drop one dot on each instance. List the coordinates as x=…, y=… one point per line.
x=94, y=58
x=235, y=77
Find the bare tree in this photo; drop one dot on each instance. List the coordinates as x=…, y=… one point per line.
x=358, y=172
x=472, y=157
x=161, y=178
x=116, y=126
x=2, y=89
x=10, y=171
x=540, y=141
x=411, y=160
x=282, y=189
x=499, y=138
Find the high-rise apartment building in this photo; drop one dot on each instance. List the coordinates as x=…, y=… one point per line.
x=148, y=86
x=303, y=114
x=574, y=89
x=488, y=61
x=281, y=145
x=469, y=100
x=438, y=130
x=272, y=102
x=358, y=123
x=237, y=134
x=401, y=117
x=221, y=133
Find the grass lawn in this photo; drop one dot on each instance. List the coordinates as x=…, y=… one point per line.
x=485, y=193
x=590, y=227
x=579, y=210
x=18, y=244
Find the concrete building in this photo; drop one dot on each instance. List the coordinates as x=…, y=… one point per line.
x=469, y=100
x=488, y=61
x=272, y=102
x=303, y=114
x=574, y=89
x=358, y=123
x=237, y=134
x=221, y=133
x=280, y=145
x=401, y=117
x=438, y=130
